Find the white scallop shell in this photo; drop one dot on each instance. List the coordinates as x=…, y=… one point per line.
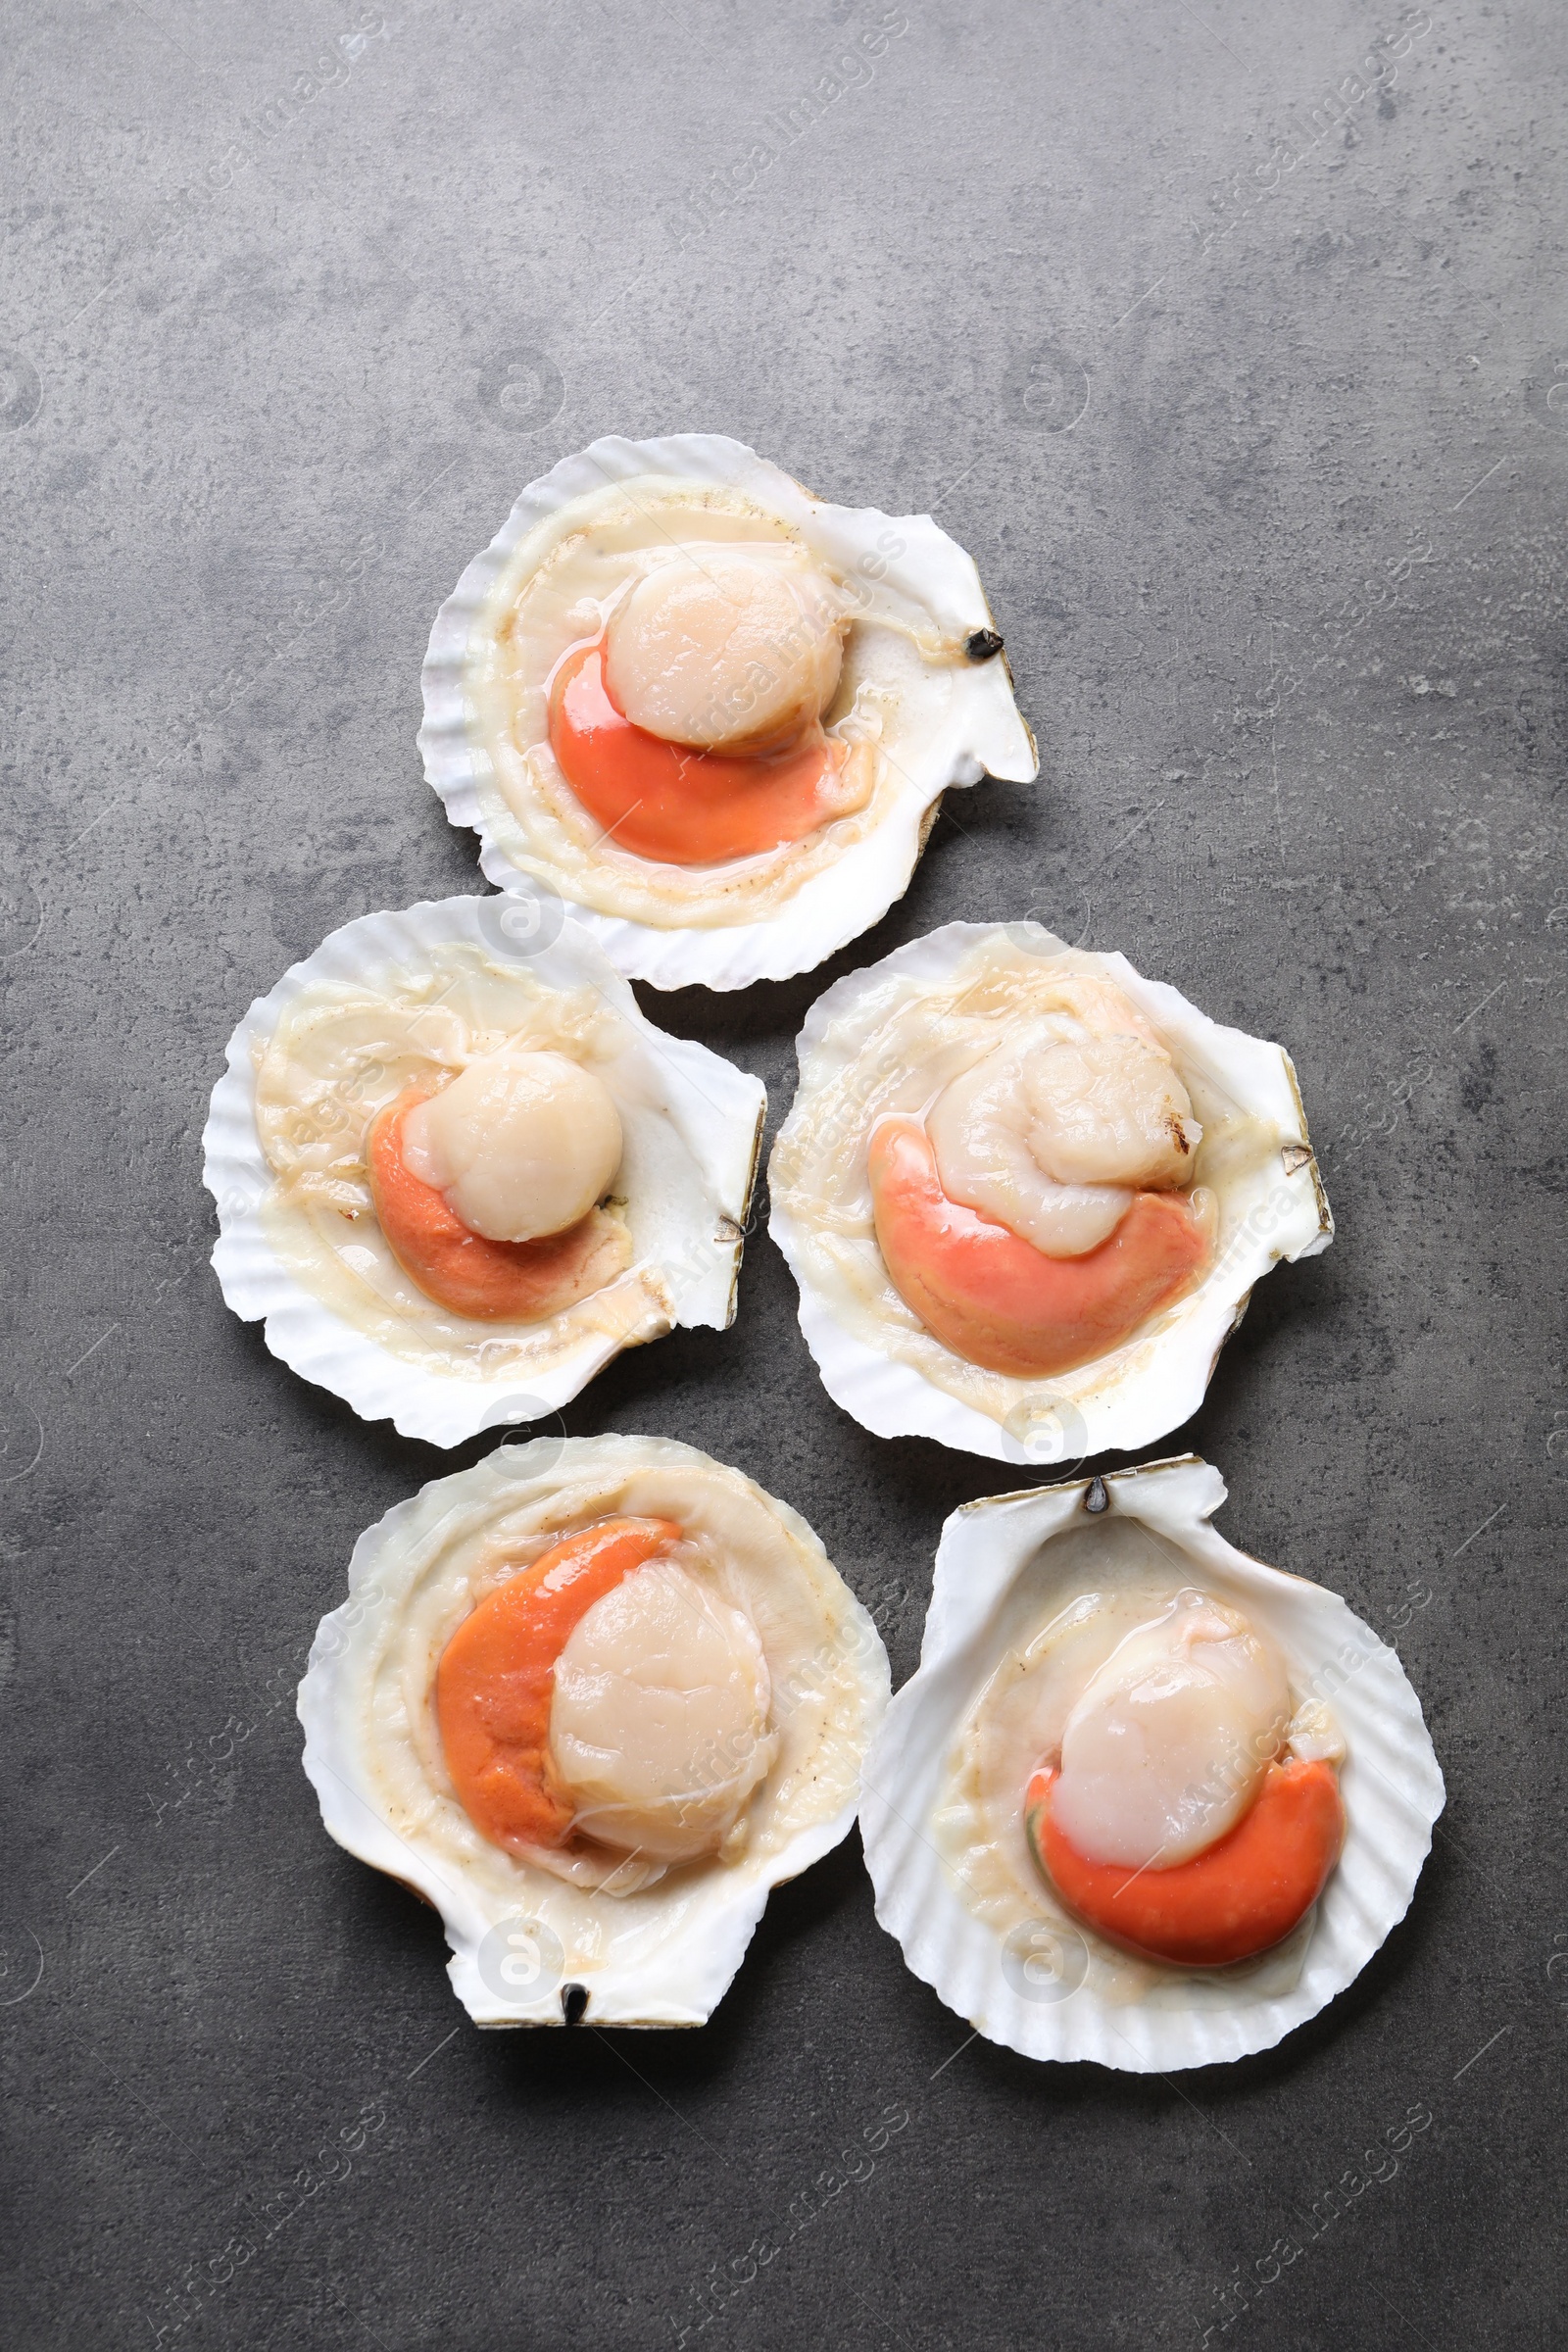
x=692, y=1232
x=982, y=733
x=1159, y=1379
x=667, y=1969
x=1392, y=1786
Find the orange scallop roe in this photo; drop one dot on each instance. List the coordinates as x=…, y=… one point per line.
x=489, y=1281
x=994, y=1297
x=681, y=806
x=497, y=1678
x=1240, y=1896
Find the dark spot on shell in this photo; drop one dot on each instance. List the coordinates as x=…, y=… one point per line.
x=1097, y=1499
x=983, y=645
x=573, y=2003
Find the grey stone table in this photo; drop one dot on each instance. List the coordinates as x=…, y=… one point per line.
x=1221, y=334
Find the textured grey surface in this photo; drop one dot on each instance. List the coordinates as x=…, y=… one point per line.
x=1285, y=601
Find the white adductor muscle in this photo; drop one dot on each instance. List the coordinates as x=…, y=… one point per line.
x=1163, y=1750
x=522, y=1144
x=1057, y=1127
x=728, y=652
x=659, y=1722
